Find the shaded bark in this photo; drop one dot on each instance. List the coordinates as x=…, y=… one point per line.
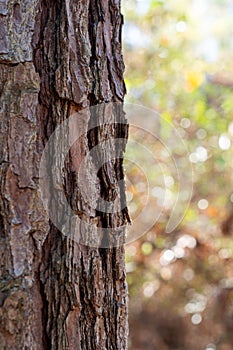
x=56, y=59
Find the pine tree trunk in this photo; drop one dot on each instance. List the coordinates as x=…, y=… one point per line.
x=58, y=58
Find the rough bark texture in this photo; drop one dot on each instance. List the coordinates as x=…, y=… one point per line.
x=57, y=58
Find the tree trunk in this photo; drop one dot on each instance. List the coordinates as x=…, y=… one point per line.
x=57, y=291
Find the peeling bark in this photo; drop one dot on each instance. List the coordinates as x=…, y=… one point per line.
x=57, y=59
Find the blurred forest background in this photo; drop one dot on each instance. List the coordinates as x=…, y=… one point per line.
x=179, y=62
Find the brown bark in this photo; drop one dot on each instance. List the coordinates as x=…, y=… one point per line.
x=58, y=58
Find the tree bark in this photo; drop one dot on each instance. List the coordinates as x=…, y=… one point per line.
x=58, y=58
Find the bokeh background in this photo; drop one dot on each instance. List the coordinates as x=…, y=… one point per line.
x=179, y=63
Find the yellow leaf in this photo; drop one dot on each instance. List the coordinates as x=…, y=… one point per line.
x=193, y=80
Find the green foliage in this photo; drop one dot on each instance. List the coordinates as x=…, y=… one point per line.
x=179, y=63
